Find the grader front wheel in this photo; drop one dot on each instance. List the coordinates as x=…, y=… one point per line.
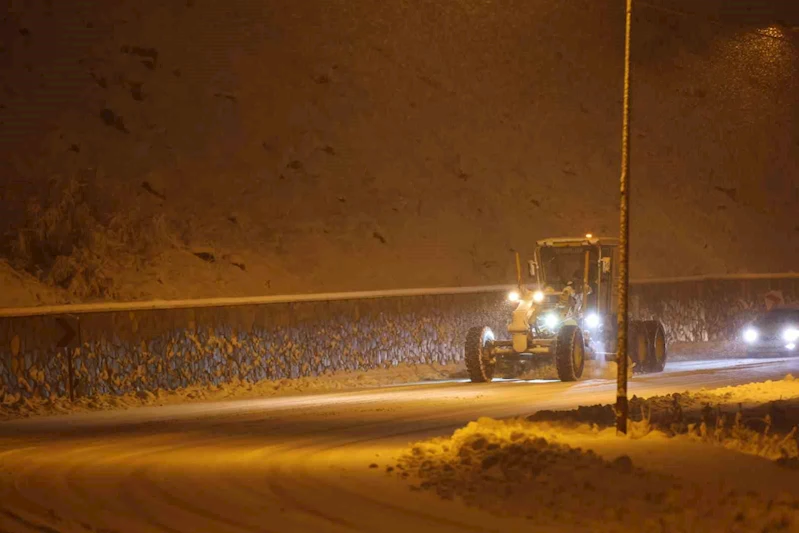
x=477, y=352
x=570, y=353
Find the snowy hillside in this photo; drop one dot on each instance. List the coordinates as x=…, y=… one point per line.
x=198, y=148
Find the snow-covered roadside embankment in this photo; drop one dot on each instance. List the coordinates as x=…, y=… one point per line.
x=569, y=470
x=16, y=406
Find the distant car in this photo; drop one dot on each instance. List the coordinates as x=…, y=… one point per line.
x=774, y=332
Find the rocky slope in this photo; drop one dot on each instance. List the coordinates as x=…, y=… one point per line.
x=198, y=148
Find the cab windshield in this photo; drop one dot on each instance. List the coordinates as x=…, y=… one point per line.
x=560, y=265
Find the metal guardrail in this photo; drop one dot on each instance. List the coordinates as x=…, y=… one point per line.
x=100, y=307
x=721, y=277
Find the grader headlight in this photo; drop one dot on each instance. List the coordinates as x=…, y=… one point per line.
x=551, y=321
x=538, y=297
x=592, y=321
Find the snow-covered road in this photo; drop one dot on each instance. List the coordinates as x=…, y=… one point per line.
x=285, y=464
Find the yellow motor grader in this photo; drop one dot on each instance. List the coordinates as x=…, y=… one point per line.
x=569, y=315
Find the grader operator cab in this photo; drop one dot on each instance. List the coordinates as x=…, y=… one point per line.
x=570, y=314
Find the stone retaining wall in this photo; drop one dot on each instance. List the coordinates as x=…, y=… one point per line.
x=121, y=352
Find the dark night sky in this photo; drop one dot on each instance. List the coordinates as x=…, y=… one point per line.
x=365, y=143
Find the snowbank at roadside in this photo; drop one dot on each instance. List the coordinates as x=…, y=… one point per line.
x=13, y=406
x=544, y=467
x=765, y=391
x=521, y=468
x=756, y=418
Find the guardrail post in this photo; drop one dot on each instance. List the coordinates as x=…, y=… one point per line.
x=66, y=344
x=70, y=376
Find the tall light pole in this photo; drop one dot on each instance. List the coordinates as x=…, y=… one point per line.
x=622, y=408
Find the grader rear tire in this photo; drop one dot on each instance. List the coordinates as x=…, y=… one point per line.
x=656, y=339
x=570, y=353
x=479, y=363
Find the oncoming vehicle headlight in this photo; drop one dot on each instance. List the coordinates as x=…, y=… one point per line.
x=592, y=321
x=538, y=297
x=551, y=321
x=513, y=296
x=750, y=335
x=791, y=334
